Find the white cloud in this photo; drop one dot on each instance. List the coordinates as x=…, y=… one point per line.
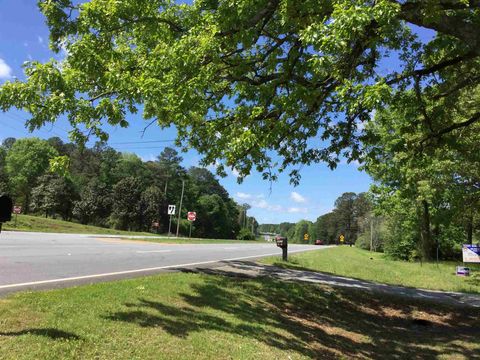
x=297, y=210
x=297, y=197
x=244, y=196
x=40, y=39
x=354, y=163
x=213, y=167
x=263, y=204
x=149, y=157
x=235, y=172
x=5, y=70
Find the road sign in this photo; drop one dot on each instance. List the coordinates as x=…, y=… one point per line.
x=305, y=237
x=171, y=209
x=342, y=238
x=155, y=224
x=17, y=209
x=192, y=216
x=471, y=253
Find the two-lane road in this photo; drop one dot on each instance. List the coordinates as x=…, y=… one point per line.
x=40, y=260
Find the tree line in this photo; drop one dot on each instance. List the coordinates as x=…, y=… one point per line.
x=406, y=220
x=348, y=218
x=104, y=187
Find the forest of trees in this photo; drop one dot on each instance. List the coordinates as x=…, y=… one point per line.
x=101, y=186
x=348, y=218
x=394, y=221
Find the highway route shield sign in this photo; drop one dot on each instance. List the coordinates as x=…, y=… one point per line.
x=171, y=209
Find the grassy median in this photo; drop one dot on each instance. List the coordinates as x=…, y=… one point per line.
x=199, y=316
x=365, y=265
x=40, y=224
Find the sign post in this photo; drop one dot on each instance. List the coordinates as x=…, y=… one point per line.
x=17, y=210
x=171, y=212
x=191, y=216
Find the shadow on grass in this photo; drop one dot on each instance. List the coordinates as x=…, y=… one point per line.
x=473, y=280
x=315, y=321
x=51, y=333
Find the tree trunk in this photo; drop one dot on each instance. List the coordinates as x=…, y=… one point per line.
x=470, y=229
x=426, y=234
x=26, y=203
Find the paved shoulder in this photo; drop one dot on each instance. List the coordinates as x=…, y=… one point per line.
x=250, y=269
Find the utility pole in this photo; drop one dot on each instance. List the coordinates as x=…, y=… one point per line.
x=180, y=209
x=371, y=232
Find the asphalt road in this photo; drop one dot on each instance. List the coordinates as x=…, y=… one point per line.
x=41, y=261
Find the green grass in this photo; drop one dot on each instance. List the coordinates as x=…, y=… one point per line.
x=365, y=265
x=41, y=224
x=199, y=316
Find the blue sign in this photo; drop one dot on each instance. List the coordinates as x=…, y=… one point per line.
x=471, y=253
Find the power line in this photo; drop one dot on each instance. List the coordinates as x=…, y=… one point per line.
x=23, y=120
x=141, y=142
x=52, y=124
x=24, y=132
x=138, y=148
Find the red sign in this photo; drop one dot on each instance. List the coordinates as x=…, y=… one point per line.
x=155, y=224
x=17, y=209
x=192, y=216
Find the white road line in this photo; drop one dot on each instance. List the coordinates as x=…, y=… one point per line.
x=136, y=271
x=153, y=251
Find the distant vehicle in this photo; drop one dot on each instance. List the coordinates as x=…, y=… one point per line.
x=318, y=242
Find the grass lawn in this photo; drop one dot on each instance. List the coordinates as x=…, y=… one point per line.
x=365, y=265
x=41, y=224
x=199, y=316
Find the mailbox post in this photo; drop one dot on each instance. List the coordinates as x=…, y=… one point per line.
x=6, y=207
x=282, y=242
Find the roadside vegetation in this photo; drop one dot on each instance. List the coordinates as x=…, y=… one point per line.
x=104, y=187
x=197, y=316
x=365, y=265
x=41, y=224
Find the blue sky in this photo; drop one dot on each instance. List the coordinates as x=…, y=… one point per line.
x=24, y=36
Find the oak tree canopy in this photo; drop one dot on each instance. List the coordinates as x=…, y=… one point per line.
x=258, y=84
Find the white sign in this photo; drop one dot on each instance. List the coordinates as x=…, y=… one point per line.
x=171, y=209
x=471, y=253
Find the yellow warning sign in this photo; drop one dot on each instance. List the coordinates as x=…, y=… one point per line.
x=305, y=237
x=342, y=238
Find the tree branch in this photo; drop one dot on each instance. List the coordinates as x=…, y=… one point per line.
x=432, y=69
x=453, y=127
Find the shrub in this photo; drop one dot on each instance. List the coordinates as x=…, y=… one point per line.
x=245, y=234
